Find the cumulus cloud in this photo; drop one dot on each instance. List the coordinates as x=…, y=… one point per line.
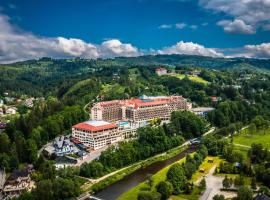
x=17, y=45
x=251, y=12
x=113, y=48
x=190, y=48
x=236, y=26
x=258, y=51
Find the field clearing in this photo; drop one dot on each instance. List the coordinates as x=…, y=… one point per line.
x=191, y=77
x=247, y=139
x=206, y=166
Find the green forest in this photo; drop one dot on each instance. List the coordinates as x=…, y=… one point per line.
x=70, y=86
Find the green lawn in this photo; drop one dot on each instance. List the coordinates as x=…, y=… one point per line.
x=206, y=166
x=191, y=77
x=247, y=139
x=159, y=176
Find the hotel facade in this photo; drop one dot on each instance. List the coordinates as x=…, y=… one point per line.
x=113, y=121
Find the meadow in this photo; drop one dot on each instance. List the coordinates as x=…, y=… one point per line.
x=246, y=139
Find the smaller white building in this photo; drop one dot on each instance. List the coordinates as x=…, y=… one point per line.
x=161, y=71
x=202, y=111
x=11, y=111
x=96, y=134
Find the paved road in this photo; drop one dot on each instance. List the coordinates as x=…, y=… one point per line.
x=213, y=185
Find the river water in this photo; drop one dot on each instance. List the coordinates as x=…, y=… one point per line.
x=114, y=190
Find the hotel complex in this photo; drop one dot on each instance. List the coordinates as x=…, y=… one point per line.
x=116, y=120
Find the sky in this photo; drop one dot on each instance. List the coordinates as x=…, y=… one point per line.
x=30, y=29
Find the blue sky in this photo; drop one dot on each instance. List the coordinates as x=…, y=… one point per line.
x=145, y=25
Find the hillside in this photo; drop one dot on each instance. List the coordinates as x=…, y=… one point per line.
x=75, y=77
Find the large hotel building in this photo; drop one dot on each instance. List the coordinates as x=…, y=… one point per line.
x=116, y=120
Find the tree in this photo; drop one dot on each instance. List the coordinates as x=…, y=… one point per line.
x=203, y=184
x=239, y=181
x=4, y=143
x=244, y=193
x=165, y=188
x=252, y=128
x=226, y=182
x=150, y=180
x=256, y=153
x=44, y=190
x=31, y=150
x=147, y=195
x=176, y=176
x=219, y=197
x=253, y=183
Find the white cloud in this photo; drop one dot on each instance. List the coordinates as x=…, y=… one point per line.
x=252, y=12
x=236, y=26
x=258, y=51
x=17, y=45
x=113, y=48
x=190, y=48
x=165, y=26
x=194, y=27
x=180, y=25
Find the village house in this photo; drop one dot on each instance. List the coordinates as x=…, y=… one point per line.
x=18, y=182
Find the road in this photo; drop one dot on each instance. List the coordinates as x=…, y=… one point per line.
x=213, y=185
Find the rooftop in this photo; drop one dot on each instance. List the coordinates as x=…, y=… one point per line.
x=95, y=125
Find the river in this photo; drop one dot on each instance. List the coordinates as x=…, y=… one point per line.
x=114, y=190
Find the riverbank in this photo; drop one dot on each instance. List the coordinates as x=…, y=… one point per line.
x=95, y=185
x=114, y=184
x=159, y=176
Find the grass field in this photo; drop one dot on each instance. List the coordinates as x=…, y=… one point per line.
x=206, y=166
x=247, y=139
x=191, y=77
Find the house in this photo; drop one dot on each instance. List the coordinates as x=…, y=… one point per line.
x=195, y=73
x=11, y=111
x=63, y=146
x=215, y=99
x=29, y=102
x=3, y=125
x=18, y=182
x=161, y=71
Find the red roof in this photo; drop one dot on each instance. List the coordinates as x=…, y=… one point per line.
x=139, y=103
x=88, y=127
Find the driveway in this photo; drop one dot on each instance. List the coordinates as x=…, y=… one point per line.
x=213, y=186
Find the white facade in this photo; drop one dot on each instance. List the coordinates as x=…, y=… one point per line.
x=96, y=134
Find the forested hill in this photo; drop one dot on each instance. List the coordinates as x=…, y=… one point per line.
x=194, y=61
x=177, y=60
x=75, y=78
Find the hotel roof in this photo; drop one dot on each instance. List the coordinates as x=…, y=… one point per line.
x=140, y=102
x=95, y=125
